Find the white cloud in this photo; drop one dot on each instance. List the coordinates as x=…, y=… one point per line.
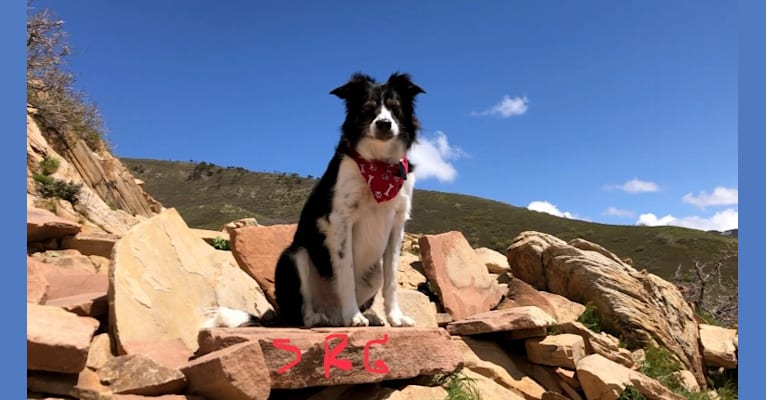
x=720, y=221
x=635, y=185
x=616, y=212
x=546, y=207
x=432, y=158
x=506, y=108
x=721, y=196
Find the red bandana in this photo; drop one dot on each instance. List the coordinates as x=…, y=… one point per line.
x=385, y=180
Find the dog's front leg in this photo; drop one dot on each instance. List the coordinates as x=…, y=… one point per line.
x=390, y=265
x=339, y=242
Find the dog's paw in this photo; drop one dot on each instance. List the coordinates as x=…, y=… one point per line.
x=315, y=319
x=397, y=319
x=357, y=320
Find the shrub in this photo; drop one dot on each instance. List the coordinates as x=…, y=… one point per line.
x=660, y=364
x=591, y=318
x=458, y=386
x=49, y=187
x=221, y=244
x=49, y=165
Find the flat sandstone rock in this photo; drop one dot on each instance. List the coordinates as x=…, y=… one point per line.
x=372, y=354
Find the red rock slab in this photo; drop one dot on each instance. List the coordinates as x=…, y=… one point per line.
x=458, y=274
x=170, y=353
x=43, y=225
x=391, y=353
x=237, y=372
x=94, y=304
x=91, y=244
x=257, y=249
x=57, y=340
x=37, y=284
x=510, y=319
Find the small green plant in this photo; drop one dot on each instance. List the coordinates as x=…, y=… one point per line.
x=709, y=319
x=660, y=365
x=458, y=386
x=43, y=179
x=49, y=165
x=49, y=187
x=221, y=243
x=591, y=318
x=631, y=393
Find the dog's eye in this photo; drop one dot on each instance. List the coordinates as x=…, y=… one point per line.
x=394, y=106
x=369, y=106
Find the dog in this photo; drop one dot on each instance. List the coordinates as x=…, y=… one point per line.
x=348, y=240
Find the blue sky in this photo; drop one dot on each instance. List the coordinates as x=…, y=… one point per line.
x=611, y=112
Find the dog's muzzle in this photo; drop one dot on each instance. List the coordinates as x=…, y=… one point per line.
x=383, y=129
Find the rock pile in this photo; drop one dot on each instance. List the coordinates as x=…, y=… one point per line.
x=132, y=325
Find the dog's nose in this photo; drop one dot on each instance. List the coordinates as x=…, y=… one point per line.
x=383, y=124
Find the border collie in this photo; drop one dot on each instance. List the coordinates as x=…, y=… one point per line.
x=349, y=235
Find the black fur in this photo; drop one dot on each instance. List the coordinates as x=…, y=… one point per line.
x=363, y=100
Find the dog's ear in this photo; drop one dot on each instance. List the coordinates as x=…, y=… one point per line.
x=403, y=83
x=357, y=82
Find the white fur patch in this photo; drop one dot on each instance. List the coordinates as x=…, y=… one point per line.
x=385, y=114
x=224, y=317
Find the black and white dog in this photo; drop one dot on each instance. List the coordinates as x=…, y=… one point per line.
x=350, y=231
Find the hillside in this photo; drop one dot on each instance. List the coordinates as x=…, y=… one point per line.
x=207, y=196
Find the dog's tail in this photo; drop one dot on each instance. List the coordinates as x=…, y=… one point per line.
x=224, y=317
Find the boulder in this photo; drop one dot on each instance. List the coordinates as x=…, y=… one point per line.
x=495, y=261
x=639, y=307
x=43, y=225
x=84, y=385
x=719, y=346
x=93, y=304
x=488, y=359
x=37, y=284
x=237, y=372
x=563, y=350
x=100, y=351
x=239, y=223
x=602, y=379
x=410, y=272
x=109, y=200
x=459, y=277
x=163, y=279
x=257, y=249
x=510, y=319
x=91, y=244
x=139, y=374
x=57, y=340
x=70, y=273
x=600, y=343
x=559, y=307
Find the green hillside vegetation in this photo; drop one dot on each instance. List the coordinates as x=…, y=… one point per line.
x=207, y=196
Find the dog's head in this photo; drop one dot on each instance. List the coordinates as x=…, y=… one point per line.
x=380, y=117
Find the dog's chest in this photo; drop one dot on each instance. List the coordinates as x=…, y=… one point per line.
x=372, y=221
x=371, y=231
